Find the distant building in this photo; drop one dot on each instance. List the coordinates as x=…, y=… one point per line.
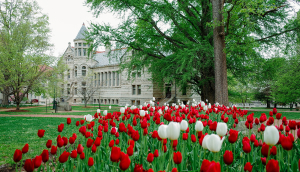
x=111, y=87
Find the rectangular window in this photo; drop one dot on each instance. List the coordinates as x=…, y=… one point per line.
x=117, y=101
x=109, y=75
x=74, y=100
x=133, y=89
x=113, y=101
x=75, y=91
x=68, y=90
x=139, y=74
x=117, y=79
x=75, y=44
x=83, y=90
x=84, y=44
x=132, y=102
x=79, y=44
x=83, y=84
x=101, y=100
x=138, y=102
x=139, y=89
x=133, y=74
x=84, y=51
x=79, y=51
x=99, y=79
x=114, y=78
x=75, y=51
x=106, y=79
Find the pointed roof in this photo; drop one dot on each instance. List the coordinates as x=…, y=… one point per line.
x=81, y=33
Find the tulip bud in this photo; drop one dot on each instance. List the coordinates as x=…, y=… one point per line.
x=199, y=126
x=183, y=125
x=122, y=110
x=142, y=113
x=221, y=128
x=162, y=131
x=214, y=143
x=271, y=135
x=173, y=130
x=98, y=110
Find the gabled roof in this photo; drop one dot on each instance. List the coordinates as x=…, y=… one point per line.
x=81, y=33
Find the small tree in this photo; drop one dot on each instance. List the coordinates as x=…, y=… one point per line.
x=87, y=92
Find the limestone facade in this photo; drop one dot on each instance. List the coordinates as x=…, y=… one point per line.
x=101, y=74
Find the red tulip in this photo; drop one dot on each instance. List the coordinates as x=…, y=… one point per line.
x=233, y=136
x=94, y=148
x=156, y=153
x=60, y=142
x=150, y=157
x=214, y=167
x=213, y=126
x=65, y=140
x=60, y=127
x=130, y=150
x=246, y=147
x=177, y=157
x=115, y=154
x=272, y=166
x=17, y=155
x=74, y=154
x=135, y=135
x=274, y=111
x=64, y=157
x=111, y=143
x=256, y=143
x=185, y=136
x=265, y=150
x=193, y=138
x=53, y=150
x=174, y=170
x=292, y=124
x=25, y=148
x=252, y=138
x=37, y=161
x=68, y=121
x=286, y=142
x=41, y=133
x=228, y=157
x=45, y=155
x=82, y=156
x=89, y=142
x=29, y=165
x=125, y=162
x=79, y=149
x=48, y=144
x=91, y=161
x=77, y=123
x=263, y=160
x=205, y=165
x=273, y=150
x=278, y=116
x=248, y=167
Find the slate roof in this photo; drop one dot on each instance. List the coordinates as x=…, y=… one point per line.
x=104, y=59
x=81, y=33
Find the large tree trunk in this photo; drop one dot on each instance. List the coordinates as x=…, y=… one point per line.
x=5, y=98
x=268, y=103
x=221, y=88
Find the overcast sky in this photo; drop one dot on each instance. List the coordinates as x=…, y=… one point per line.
x=66, y=18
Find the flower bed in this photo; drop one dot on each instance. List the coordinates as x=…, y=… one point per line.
x=200, y=137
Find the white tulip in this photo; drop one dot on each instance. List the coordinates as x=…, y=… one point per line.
x=209, y=106
x=162, y=131
x=145, y=104
x=88, y=117
x=98, y=110
x=178, y=100
x=199, y=126
x=105, y=112
x=214, y=143
x=184, y=125
x=173, y=130
x=160, y=112
x=109, y=107
x=217, y=104
x=205, y=108
x=168, y=104
x=204, y=142
x=153, y=108
x=141, y=106
x=221, y=128
x=176, y=106
x=206, y=100
x=142, y=113
x=166, y=108
x=126, y=107
x=271, y=135
x=202, y=104
x=122, y=110
x=153, y=99
x=165, y=104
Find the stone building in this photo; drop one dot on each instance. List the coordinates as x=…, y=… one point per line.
x=100, y=75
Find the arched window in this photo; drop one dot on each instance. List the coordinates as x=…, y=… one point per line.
x=83, y=73
x=75, y=71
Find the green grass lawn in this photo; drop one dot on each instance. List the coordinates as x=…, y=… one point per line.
x=15, y=132
x=91, y=109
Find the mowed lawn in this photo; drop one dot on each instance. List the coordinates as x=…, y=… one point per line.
x=76, y=110
x=15, y=132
